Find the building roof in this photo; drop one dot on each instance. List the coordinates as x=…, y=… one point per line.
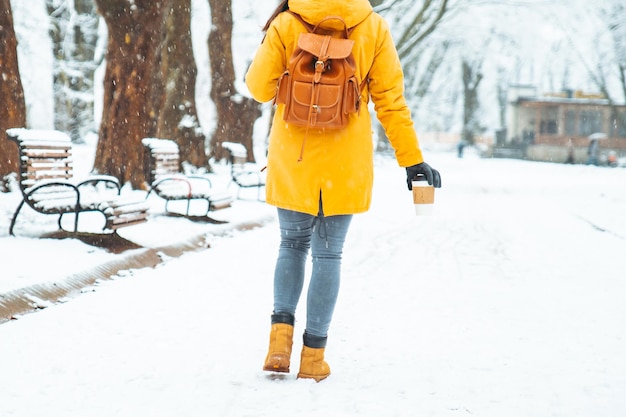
x=564, y=100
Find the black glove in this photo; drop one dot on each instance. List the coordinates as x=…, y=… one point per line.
x=431, y=174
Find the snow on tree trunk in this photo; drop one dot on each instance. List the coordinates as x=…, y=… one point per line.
x=236, y=114
x=12, y=104
x=178, y=118
x=132, y=85
x=74, y=34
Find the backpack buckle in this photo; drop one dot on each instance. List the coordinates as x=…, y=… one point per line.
x=319, y=69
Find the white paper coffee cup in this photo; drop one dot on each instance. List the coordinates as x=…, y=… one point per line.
x=423, y=198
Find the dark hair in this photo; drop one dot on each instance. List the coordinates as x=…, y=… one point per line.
x=282, y=6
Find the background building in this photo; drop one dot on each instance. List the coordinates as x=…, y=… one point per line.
x=552, y=127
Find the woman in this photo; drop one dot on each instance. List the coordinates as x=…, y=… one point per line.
x=319, y=178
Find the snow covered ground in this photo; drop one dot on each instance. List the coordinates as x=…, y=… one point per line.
x=508, y=301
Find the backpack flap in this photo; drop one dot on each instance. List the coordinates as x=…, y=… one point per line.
x=314, y=44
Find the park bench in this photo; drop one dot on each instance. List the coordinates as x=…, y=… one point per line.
x=46, y=179
x=165, y=179
x=243, y=173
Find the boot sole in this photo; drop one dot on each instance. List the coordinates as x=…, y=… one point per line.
x=277, y=369
x=317, y=378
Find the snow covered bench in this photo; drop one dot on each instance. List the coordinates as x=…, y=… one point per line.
x=165, y=179
x=243, y=173
x=48, y=185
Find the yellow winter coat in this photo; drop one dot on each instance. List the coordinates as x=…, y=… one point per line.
x=336, y=164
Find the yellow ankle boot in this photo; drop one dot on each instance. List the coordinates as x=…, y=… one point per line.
x=279, y=354
x=312, y=364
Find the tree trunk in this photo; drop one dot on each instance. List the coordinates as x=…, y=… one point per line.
x=178, y=118
x=235, y=114
x=12, y=104
x=472, y=76
x=132, y=85
x=74, y=34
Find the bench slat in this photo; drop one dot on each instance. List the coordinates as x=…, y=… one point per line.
x=44, y=152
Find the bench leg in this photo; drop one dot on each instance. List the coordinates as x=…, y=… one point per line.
x=75, y=221
x=15, y=218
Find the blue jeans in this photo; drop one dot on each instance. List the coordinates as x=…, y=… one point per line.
x=325, y=237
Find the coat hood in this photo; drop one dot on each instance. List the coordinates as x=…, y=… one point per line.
x=353, y=12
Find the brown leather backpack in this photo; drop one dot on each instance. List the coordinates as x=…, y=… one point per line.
x=320, y=88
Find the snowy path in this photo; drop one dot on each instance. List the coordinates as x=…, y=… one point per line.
x=507, y=302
